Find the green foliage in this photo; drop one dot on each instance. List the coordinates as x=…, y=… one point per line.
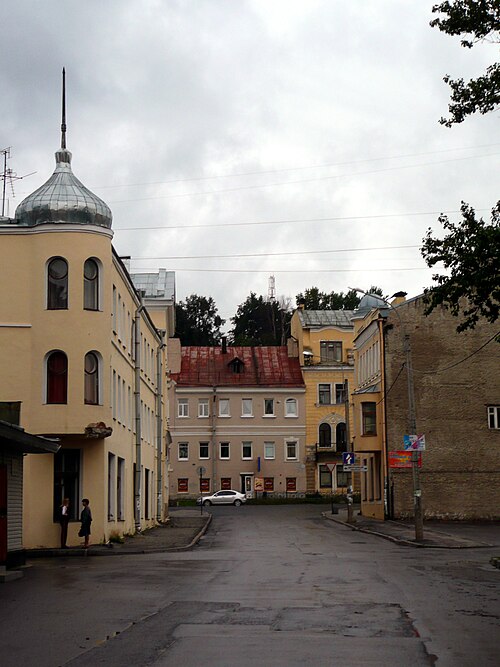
x=476, y=20
x=471, y=253
x=260, y=322
x=313, y=299
x=197, y=321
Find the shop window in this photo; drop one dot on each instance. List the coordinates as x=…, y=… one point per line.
x=291, y=484
x=205, y=484
x=67, y=481
x=325, y=435
x=268, y=483
x=57, y=377
x=91, y=379
x=182, y=485
x=57, y=284
x=342, y=477
x=91, y=285
x=225, y=483
x=325, y=477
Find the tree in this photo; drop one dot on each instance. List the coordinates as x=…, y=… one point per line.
x=475, y=20
x=260, y=322
x=471, y=252
x=197, y=321
x=313, y=299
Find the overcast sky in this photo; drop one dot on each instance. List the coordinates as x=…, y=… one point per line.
x=191, y=117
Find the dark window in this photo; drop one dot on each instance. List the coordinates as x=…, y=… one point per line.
x=330, y=351
x=205, y=484
x=325, y=478
x=369, y=418
x=183, y=451
x=91, y=285
x=204, y=450
x=146, y=492
x=57, y=377
x=341, y=437
x=225, y=483
x=91, y=379
x=325, y=435
x=342, y=477
x=269, y=406
x=67, y=481
x=224, y=450
x=291, y=484
x=340, y=395
x=324, y=394
x=57, y=284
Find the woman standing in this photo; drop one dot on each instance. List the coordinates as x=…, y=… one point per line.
x=86, y=519
x=64, y=520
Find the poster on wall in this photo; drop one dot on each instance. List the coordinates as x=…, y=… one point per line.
x=403, y=459
x=259, y=484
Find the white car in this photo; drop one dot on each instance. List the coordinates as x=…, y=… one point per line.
x=228, y=497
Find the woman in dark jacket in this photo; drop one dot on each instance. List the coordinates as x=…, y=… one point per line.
x=86, y=519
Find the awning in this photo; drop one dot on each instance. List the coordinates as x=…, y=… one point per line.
x=16, y=439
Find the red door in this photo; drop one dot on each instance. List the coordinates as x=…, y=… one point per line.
x=3, y=513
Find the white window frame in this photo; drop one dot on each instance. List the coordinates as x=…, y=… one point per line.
x=246, y=443
x=289, y=441
x=203, y=458
x=269, y=443
x=181, y=404
x=335, y=385
x=268, y=414
x=225, y=458
x=335, y=345
x=243, y=413
x=291, y=401
x=324, y=384
x=224, y=401
x=494, y=417
x=203, y=408
x=179, y=457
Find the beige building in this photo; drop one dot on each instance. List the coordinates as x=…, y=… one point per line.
x=456, y=391
x=82, y=354
x=239, y=414
x=323, y=341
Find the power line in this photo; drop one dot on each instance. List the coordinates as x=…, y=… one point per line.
x=296, y=182
x=295, y=220
x=287, y=169
x=276, y=271
x=457, y=363
x=278, y=254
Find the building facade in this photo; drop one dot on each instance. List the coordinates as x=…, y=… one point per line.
x=80, y=352
x=237, y=422
x=456, y=394
x=323, y=341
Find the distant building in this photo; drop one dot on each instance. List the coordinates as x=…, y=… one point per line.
x=238, y=413
x=323, y=341
x=457, y=405
x=81, y=353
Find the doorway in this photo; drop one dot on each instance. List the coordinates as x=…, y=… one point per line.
x=247, y=486
x=3, y=513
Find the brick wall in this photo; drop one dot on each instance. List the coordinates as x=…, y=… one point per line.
x=460, y=475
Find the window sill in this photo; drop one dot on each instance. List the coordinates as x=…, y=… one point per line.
x=202, y=416
x=268, y=416
x=247, y=416
x=291, y=416
x=224, y=416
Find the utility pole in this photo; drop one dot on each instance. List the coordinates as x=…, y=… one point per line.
x=412, y=425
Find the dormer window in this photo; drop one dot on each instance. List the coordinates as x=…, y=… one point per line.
x=237, y=365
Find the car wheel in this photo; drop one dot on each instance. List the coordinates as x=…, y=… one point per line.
x=207, y=502
x=237, y=502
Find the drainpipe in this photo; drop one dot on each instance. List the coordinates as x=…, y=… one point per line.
x=214, y=439
x=137, y=405
x=159, y=426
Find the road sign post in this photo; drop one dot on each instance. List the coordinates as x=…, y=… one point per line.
x=201, y=471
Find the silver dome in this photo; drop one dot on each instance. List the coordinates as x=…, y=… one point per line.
x=366, y=304
x=63, y=199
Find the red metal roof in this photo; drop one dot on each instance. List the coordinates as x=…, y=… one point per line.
x=263, y=366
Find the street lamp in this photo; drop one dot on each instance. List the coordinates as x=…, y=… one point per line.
x=412, y=420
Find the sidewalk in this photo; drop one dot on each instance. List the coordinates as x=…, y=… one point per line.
x=435, y=535
x=185, y=528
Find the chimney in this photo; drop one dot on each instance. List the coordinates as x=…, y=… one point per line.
x=301, y=304
x=399, y=297
x=224, y=344
x=126, y=260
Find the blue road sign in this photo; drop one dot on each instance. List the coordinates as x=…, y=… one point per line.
x=348, y=458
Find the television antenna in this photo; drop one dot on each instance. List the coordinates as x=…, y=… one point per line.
x=7, y=175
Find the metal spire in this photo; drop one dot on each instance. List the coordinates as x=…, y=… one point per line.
x=63, y=122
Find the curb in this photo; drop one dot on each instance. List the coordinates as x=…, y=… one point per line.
x=401, y=540
x=84, y=553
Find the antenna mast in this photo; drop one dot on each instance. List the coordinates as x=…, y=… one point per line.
x=271, y=291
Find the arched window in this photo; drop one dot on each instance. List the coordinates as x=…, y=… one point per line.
x=91, y=378
x=325, y=435
x=341, y=437
x=91, y=285
x=57, y=284
x=291, y=407
x=57, y=377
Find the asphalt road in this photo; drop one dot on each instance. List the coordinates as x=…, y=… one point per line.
x=268, y=586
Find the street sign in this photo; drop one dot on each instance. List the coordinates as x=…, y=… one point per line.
x=414, y=443
x=403, y=459
x=348, y=458
x=201, y=471
x=356, y=468
x=331, y=466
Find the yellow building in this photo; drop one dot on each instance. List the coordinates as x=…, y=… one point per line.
x=324, y=340
x=80, y=351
